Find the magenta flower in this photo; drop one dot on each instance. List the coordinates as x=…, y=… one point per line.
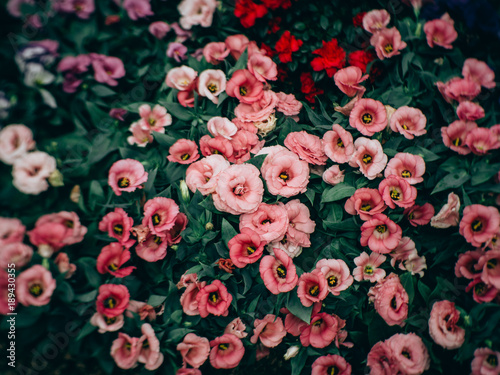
x=177, y=51
x=107, y=69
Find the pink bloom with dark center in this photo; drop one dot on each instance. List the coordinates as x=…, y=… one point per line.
x=408, y=166
x=107, y=69
x=307, y=146
x=227, y=351
x=312, y=288
x=365, y=202
x=150, y=353
x=245, y=87
x=469, y=111
x=409, y=122
x=369, y=157
x=173, y=235
x=288, y=104
x=490, y=265
x=159, y=29
x=380, y=234
x=455, y=135
x=221, y=126
x=125, y=350
x=194, y=350
x=466, y=264
x=440, y=32
x=34, y=286
x=443, y=326
x=118, y=225
x=390, y=300
x=211, y=84
x=396, y=191
x=31, y=171
x=217, y=145
x=245, y=248
x=269, y=221
x=420, y=215
x=239, y=190
x=106, y=324
x=479, y=224
x=387, y=43
x=181, y=78
x=479, y=72
x=481, y=140
x=160, y=214
x=320, y=332
x=112, y=300
x=215, y=52
x=482, y=292
x=262, y=67
x=331, y=364
x=368, y=267
x=333, y=175
x=155, y=119
x=449, y=215
x=278, y=272
x=380, y=360
x=203, y=174
x=112, y=258
x=270, y=331
x=15, y=141
x=126, y=175
x=485, y=362
x=177, y=51
x=213, y=299
x=368, y=116
x=376, y=20
x=337, y=274
x=140, y=136
x=184, y=151
x=348, y=81
x=153, y=248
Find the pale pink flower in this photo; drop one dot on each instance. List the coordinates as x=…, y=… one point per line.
x=215, y=52
x=194, y=350
x=479, y=72
x=485, y=362
x=368, y=267
x=387, y=43
x=449, y=214
x=31, y=172
x=459, y=89
x=64, y=266
x=380, y=234
x=217, y=145
x=203, y=174
x=106, y=324
x=409, y=122
x=291, y=249
x=34, y=286
x=415, y=264
x=159, y=29
x=126, y=175
x=348, y=80
x=236, y=327
x=196, y=12
x=408, y=166
x=150, y=353
x=440, y=32
x=221, y=126
x=368, y=116
x=369, y=157
x=469, y=111
x=125, y=350
x=333, y=175
x=481, y=140
x=338, y=144
x=269, y=221
x=140, y=136
x=406, y=248
x=409, y=353
x=183, y=151
x=270, y=331
x=15, y=253
x=237, y=44
x=288, y=104
x=336, y=273
x=300, y=223
x=258, y=111
x=455, y=135
x=15, y=141
x=346, y=109
x=11, y=230
x=307, y=146
x=155, y=119
x=390, y=300
x=137, y=8
x=181, y=78
x=262, y=67
x=376, y=20
x=211, y=83
x=443, y=326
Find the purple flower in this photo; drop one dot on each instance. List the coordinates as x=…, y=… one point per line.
x=177, y=51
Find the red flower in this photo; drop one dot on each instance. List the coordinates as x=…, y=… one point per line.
x=269, y=51
x=274, y=25
x=286, y=45
x=247, y=11
x=357, y=20
x=275, y=4
x=308, y=87
x=332, y=58
x=360, y=59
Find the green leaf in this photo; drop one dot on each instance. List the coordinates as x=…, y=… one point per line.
x=313, y=116
x=452, y=180
x=156, y=300
x=101, y=90
x=134, y=107
x=298, y=362
x=240, y=64
x=65, y=292
x=482, y=172
x=407, y=280
x=177, y=110
x=323, y=22
x=424, y=290
x=177, y=334
x=86, y=330
x=297, y=308
x=228, y=231
x=425, y=154
x=96, y=194
x=337, y=192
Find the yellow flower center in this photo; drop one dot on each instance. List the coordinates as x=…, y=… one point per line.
x=243, y=91
x=314, y=291
x=477, y=225
x=123, y=182
x=368, y=270
x=118, y=229
x=212, y=87
x=406, y=174
x=185, y=157
x=156, y=219
x=366, y=207
x=381, y=228
x=388, y=48
x=250, y=250
x=36, y=290
x=109, y=303
x=281, y=271
x=395, y=195
x=367, y=118
x=367, y=159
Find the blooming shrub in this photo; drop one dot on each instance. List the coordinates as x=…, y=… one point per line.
x=268, y=185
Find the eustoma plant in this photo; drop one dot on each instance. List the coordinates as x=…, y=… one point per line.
x=195, y=186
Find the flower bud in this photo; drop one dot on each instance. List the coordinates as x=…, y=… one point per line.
x=291, y=352
x=184, y=191
x=209, y=226
x=56, y=179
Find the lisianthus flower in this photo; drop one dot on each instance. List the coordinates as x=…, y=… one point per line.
x=177, y=51
x=486, y=361
x=286, y=45
x=308, y=147
x=244, y=142
x=262, y=67
x=153, y=248
x=245, y=87
x=218, y=145
x=320, y=332
x=333, y=175
x=470, y=111
x=404, y=250
x=348, y=80
x=376, y=20
x=338, y=144
x=194, y=350
x=369, y=157
x=449, y=214
x=31, y=172
x=288, y=104
x=481, y=140
x=387, y=43
x=15, y=141
x=308, y=87
x=112, y=300
x=440, y=32
x=221, y=126
x=365, y=202
x=196, y=12
x=143, y=310
x=183, y=151
x=368, y=267
x=213, y=299
x=107, y=68
x=154, y=119
x=111, y=258
x=188, y=299
x=215, y=52
x=11, y=230
x=490, y=265
x=118, y=225
x=331, y=363
x=479, y=223
x=336, y=273
x=300, y=224
x=34, y=286
x=409, y=353
x=368, y=116
x=420, y=215
x=380, y=234
x=269, y=221
x=278, y=272
x=211, y=84
x=443, y=326
x=236, y=327
x=290, y=248
x=15, y=253
x=181, y=78
x=203, y=174
x=125, y=351
x=390, y=300
x=312, y=287
x=481, y=292
x=459, y=89
x=466, y=264
x=408, y=166
x=106, y=324
x=455, y=136
x=150, y=353
x=227, y=351
x=160, y=214
x=140, y=136
x=409, y=122
x=396, y=191
x=245, y=248
x=126, y=175
x=159, y=29
x=236, y=44
x=81, y=8
x=380, y=359
x=258, y=111
x=479, y=72
x=270, y=331
x=173, y=235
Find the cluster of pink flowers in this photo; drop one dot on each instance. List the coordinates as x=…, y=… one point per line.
x=386, y=41
x=152, y=120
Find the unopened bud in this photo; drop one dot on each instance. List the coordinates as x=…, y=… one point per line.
x=291, y=352
x=75, y=194
x=209, y=226
x=45, y=250
x=184, y=191
x=56, y=179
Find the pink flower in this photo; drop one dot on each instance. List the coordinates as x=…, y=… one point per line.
x=449, y=214
x=183, y=151
x=300, y=223
x=57, y=230
x=211, y=83
x=245, y=87
x=336, y=273
x=348, y=80
x=81, y=8
x=173, y=235
x=106, y=324
x=188, y=299
x=155, y=119
x=140, y=136
x=465, y=266
x=420, y=215
x=380, y=359
x=459, y=89
x=181, y=78
x=188, y=371
x=481, y=140
x=15, y=142
x=390, y=300
x=215, y=52
x=153, y=248
x=150, y=353
x=118, y=225
x=404, y=251
x=490, y=264
x=278, y=272
x=479, y=72
x=213, y=299
x=485, y=362
x=368, y=267
x=269, y=221
x=482, y=292
x=15, y=253
x=160, y=214
x=11, y=230
x=479, y=224
x=34, y=286
x=369, y=156
x=177, y=51
x=288, y=104
x=387, y=43
x=239, y=190
x=376, y=20
x=409, y=122
x=469, y=111
x=217, y=145
x=159, y=29
x=137, y=8
x=270, y=331
x=107, y=68
x=142, y=309
x=74, y=64
x=408, y=166
x=221, y=126
x=312, y=288
x=244, y=142
x=380, y=234
x=112, y=300
x=237, y=328
x=64, y=266
x=259, y=110
x=284, y=173
x=194, y=350
x=203, y=174
x=125, y=350
x=409, y=353
x=245, y=248
x=31, y=171
x=237, y=44
x=331, y=363
x=227, y=351
x=196, y=12
x=365, y=202
x=396, y=191
x=262, y=67
x=440, y=32
x=307, y=146
x=368, y=116
x=455, y=135
x=111, y=258
x=333, y=175
x=320, y=332
x=126, y=175
x=443, y=325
